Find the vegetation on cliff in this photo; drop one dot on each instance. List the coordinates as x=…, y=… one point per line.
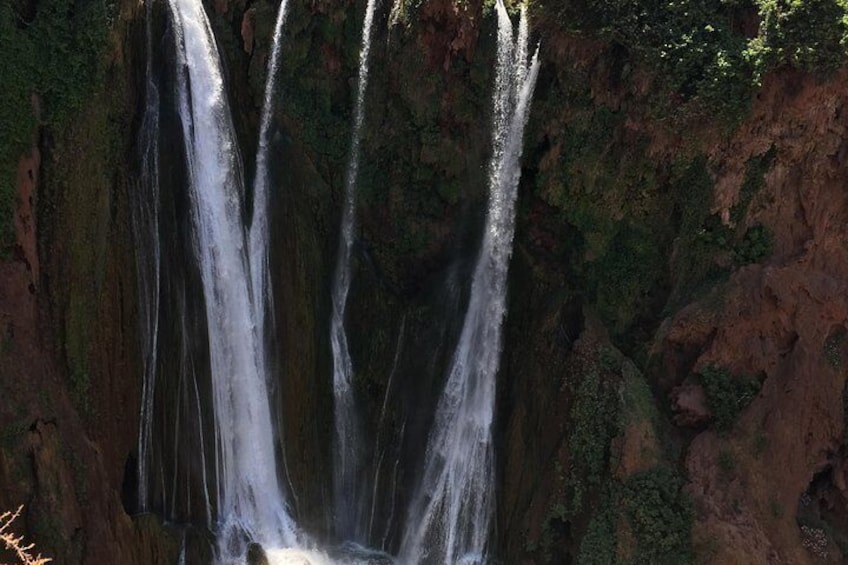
x=52, y=50
x=618, y=217
x=716, y=52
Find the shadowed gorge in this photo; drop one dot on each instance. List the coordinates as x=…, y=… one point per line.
x=424, y=281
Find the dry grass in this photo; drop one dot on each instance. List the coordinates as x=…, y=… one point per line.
x=15, y=544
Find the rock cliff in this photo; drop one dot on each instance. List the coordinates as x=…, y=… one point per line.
x=673, y=377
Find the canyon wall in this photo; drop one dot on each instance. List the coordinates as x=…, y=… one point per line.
x=673, y=372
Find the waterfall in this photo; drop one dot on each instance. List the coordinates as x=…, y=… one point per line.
x=145, y=224
x=250, y=501
x=260, y=269
x=347, y=490
x=449, y=518
x=450, y=515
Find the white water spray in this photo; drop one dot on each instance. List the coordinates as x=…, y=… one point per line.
x=347, y=490
x=450, y=516
x=250, y=501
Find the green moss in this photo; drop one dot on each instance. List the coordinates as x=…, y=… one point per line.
x=53, y=49
x=727, y=395
x=637, y=400
x=10, y=433
x=755, y=170
x=702, y=237
x=660, y=514
x=626, y=274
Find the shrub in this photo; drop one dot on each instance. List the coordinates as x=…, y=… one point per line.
x=806, y=34
x=598, y=546
x=756, y=245
x=594, y=421
x=727, y=395
x=661, y=514
x=701, y=49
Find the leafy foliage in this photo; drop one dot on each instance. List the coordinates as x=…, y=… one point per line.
x=727, y=395
x=755, y=246
x=598, y=546
x=806, y=34
x=705, y=50
x=594, y=418
x=661, y=514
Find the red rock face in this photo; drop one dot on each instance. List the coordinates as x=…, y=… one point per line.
x=774, y=320
x=70, y=490
x=448, y=30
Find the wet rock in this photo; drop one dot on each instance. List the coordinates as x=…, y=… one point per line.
x=248, y=29
x=256, y=555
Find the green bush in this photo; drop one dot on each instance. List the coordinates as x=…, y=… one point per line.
x=756, y=245
x=700, y=48
x=727, y=395
x=598, y=546
x=806, y=34
x=661, y=514
x=594, y=422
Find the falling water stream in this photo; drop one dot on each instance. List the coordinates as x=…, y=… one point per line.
x=145, y=222
x=250, y=501
x=260, y=270
x=450, y=516
x=348, y=492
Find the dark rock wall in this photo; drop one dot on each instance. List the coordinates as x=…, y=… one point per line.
x=675, y=222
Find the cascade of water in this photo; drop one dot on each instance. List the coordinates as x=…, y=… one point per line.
x=450, y=515
x=347, y=490
x=250, y=501
x=260, y=270
x=145, y=223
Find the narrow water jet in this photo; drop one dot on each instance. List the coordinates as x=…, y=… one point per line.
x=250, y=502
x=449, y=519
x=145, y=225
x=348, y=490
x=260, y=268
